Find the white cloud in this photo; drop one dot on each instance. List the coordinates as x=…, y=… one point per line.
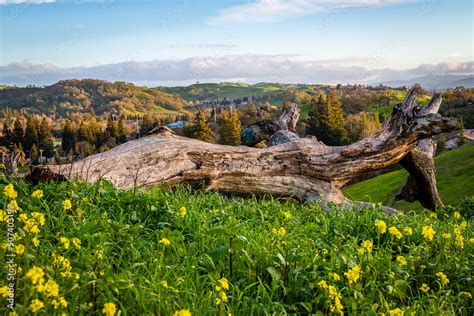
x=4, y=2
x=248, y=68
x=276, y=10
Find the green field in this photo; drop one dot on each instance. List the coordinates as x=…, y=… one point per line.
x=455, y=177
x=84, y=249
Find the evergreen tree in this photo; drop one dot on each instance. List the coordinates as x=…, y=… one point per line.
x=34, y=154
x=326, y=121
x=18, y=134
x=112, y=128
x=69, y=137
x=336, y=120
x=147, y=124
x=6, y=139
x=46, y=140
x=121, y=132
x=84, y=134
x=318, y=119
x=200, y=130
x=229, y=128
x=31, y=134
x=461, y=137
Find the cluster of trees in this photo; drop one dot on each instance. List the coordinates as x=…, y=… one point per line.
x=33, y=138
x=89, y=137
x=229, y=128
x=326, y=120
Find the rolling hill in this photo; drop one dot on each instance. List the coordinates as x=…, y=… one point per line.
x=275, y=93
x=455, y=176
x=89, y=94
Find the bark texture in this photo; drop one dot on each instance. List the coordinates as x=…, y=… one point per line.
x=421, y=183
x=302, y=167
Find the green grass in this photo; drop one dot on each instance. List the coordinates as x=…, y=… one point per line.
x=454, y=174
x=121, y=259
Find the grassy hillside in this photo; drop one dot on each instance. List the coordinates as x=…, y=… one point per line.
x=275, y=93
x=84, y=95
x=84, y=248
x=455, y=176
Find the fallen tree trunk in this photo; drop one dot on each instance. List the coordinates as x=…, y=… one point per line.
x=421, y=183
x=302, y=167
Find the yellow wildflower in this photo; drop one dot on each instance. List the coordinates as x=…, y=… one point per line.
x=39, y=217
x=224, y=283
x=164, y=284
x=287, y=215
x=35, y=241
x=394, y=231
x=396, y=312
x=3, y=216
x=367, y=245
x=37, y=194
x=9, y=191
x=408, y=231
x=31, y=226
x=76, y=242
x=471, y=240
x=50, y=288
x=457, y=215
x=67, y=205
x=183, y=312
x=4, y=291
x=223, y=296
x=99, y=253
x=459, y=241
x=65, y=242
x=165, y=241
x=353, y=274
x=446, y=235
x=336, y=277
x=323, y=284
x=381, y=226
x=61, y=302
x=22, y=217
x=35, y=274
x=182, y=211
x=428, y=232
x=425, y=288
x=282, y=231
x=63, y=264
x=36, y=305
x=442, y=278
x=402, y=260
x=13, y=206
x=338, y=307
x=333, y=292
x=20, y=249
x=109, y=309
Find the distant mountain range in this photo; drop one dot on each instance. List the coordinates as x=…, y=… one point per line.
x=439, y=82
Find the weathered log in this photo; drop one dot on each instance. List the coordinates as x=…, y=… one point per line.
x=302, y=167
x=421, y=183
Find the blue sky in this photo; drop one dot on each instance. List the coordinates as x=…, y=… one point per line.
x=373, y=34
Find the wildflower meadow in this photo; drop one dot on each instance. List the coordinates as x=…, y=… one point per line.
x=80, y=249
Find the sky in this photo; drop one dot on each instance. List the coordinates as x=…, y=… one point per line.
x=173, y=42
